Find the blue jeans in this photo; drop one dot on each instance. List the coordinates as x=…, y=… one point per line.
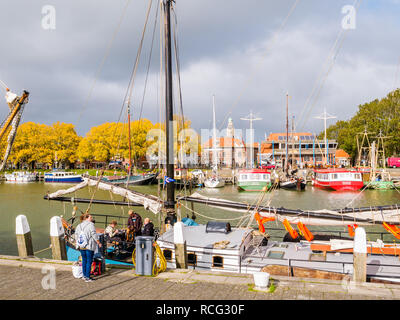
x=87, y=259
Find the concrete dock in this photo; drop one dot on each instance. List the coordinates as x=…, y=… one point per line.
x=42, y=279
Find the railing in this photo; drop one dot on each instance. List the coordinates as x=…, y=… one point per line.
x=381, y=235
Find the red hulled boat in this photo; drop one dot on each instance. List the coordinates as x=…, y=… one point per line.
x=338, y=179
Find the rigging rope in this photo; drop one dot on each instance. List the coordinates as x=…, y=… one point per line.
x=99, y=69
x=274, y=38
x=332, y=55
x=4, y=85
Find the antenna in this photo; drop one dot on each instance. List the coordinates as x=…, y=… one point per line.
x=325, y=116
x=251, y=117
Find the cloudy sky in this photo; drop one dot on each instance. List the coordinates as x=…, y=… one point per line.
x=242, y=52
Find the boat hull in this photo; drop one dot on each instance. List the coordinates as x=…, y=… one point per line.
x=339, y=185
x=214, y=183
x=292, y=185
x=63, y=180
x=253, y=186
x=134, y=180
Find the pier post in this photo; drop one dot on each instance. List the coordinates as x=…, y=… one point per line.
x=24, y=238
x=360, y=256
x=58, y=246
x=180, y=246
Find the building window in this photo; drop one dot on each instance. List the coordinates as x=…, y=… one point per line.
x=192, y=259
x=167, y=254
x=217, y=262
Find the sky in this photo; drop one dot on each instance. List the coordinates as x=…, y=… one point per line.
x=249, y=54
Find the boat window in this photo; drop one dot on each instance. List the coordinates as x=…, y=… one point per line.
x=256, y=177
x=335, y=176
x=167, y=254
x=265, y=177
x=192, y=259
x=217, y=262
x=357, y=176
x=275, y=254
x=317, y=257
x=243, y=177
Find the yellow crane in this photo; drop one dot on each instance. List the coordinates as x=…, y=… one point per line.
x=16, y=105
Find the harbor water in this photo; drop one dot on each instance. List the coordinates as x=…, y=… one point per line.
x=27, y=199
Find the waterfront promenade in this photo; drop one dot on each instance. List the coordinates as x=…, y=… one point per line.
x=29, y=279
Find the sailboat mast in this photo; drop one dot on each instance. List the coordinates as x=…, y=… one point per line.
x=214, y=135
x=129, y=136
x=287, y=132
x=170, y=203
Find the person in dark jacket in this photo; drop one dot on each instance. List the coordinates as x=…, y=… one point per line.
x=148, y=228
x=134, y=225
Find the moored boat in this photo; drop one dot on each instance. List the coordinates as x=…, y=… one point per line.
x=254, y=180
x=217, y=247
x=62, y=176
x=19, y=176
x=214, y=182
x=139, y=179
x=338, y=179
x=293, y=183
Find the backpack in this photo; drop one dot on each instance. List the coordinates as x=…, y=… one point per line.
x=82, y=241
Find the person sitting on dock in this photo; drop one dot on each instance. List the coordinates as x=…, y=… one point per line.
x=134, y=226
x=112, y=233
x=148, y=228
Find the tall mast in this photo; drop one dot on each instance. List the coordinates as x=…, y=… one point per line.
x=325, y=116
x=129, y=135
x=170, y=203
x=287, y=132
x=214, y=136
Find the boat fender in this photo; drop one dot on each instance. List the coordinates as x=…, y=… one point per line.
x=293, y=233
x=305, y=232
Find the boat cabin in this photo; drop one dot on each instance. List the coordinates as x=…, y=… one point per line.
x=338, y=179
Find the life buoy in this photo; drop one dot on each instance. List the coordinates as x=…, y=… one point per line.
x=305, y=232
x=352, y=229
x=394, y=230
x=261, y=221
x=293, y=233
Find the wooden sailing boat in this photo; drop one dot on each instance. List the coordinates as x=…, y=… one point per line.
x=379, y=180
x=217, y=246
x=290, y=181
x=131, y=179
x=215, y=181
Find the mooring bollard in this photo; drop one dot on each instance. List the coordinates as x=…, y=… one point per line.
x=180, y=246
x=360, y=256
x=58, y=246
x=24, y=238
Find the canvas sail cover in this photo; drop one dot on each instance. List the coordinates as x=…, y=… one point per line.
x=149, y=202
x=316, y=217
